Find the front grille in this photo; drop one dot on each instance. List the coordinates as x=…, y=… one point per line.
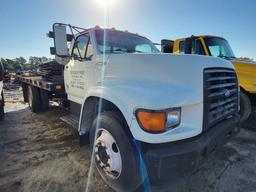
x=220, y=95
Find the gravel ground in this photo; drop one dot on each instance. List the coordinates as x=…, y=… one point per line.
x=38, y=152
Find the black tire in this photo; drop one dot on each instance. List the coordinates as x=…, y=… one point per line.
x=1, y=111
x=25, y=92
x=44, y=99
x=34, y=99
x=129, y=178
x=245, y=107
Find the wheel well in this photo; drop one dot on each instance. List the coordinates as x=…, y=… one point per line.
x=251, y=96
x=242, y=89
x=92, y=107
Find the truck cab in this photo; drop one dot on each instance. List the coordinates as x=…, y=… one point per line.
x=1, y=92
x=90, y=52
x=219, y=47
x=146, y=115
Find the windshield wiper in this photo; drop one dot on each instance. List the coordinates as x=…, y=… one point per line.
x=135, y=52
x=224, y=56
x=113, y=52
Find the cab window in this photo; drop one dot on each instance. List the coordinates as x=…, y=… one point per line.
x=182, y=47
x=80, y=47
x=198, y=48
x=89, y=51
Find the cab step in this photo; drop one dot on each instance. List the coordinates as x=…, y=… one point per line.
x=71, y=120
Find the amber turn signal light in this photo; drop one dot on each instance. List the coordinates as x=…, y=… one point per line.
x=152, y=121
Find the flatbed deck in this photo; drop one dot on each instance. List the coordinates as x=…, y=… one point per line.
x=38, y=81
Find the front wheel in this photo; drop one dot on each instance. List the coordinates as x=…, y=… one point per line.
x=114, y=154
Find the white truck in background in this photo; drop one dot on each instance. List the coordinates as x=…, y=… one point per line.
x=133, y=103
x=1, y=92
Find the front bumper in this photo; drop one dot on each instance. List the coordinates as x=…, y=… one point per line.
x=171, y=161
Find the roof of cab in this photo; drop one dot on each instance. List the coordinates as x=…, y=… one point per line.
x=111, y=29
x=203, y=36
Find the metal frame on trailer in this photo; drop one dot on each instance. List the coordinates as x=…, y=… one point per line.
x=39, y=82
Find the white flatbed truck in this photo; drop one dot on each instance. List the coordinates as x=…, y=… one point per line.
x=133, y=103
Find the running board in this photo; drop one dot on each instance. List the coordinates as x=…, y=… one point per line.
x=71, y=120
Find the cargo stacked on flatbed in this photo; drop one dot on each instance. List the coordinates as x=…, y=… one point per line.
x=52, y=71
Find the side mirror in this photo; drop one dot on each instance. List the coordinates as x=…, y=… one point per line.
x=60, y=49
x=167, y=46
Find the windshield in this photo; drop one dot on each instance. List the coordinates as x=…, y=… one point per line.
x=123, y=42
x=219, y=47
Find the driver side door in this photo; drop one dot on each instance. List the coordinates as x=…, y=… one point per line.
x=80, y=71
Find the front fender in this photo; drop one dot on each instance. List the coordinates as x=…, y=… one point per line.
x=148, y=95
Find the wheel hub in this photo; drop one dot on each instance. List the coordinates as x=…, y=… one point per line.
x=107, y=154
x=102, y=154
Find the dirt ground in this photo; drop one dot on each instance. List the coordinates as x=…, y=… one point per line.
x=38, y=152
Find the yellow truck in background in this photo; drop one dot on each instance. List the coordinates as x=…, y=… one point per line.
x=219, y=47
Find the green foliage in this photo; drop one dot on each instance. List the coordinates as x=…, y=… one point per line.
x=21, y=64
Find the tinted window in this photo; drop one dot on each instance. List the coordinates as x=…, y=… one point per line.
x=182, y=47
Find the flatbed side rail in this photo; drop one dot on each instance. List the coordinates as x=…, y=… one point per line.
x=38, y=81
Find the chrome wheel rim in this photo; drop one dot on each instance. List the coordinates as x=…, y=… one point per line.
x=107, y=154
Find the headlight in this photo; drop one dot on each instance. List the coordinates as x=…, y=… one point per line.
x=158, y=121
x=173, y=118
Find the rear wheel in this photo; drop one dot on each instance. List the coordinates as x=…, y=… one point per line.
x=44, y=99
x=25, y=92
x=34, y=99
x=114, y=154
x=245, y=107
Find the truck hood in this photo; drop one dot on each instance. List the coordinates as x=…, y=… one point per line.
x=162, y=74
x=182, y=70
x=248, y=66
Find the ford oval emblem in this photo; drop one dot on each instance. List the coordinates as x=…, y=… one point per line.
x=227, y=93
